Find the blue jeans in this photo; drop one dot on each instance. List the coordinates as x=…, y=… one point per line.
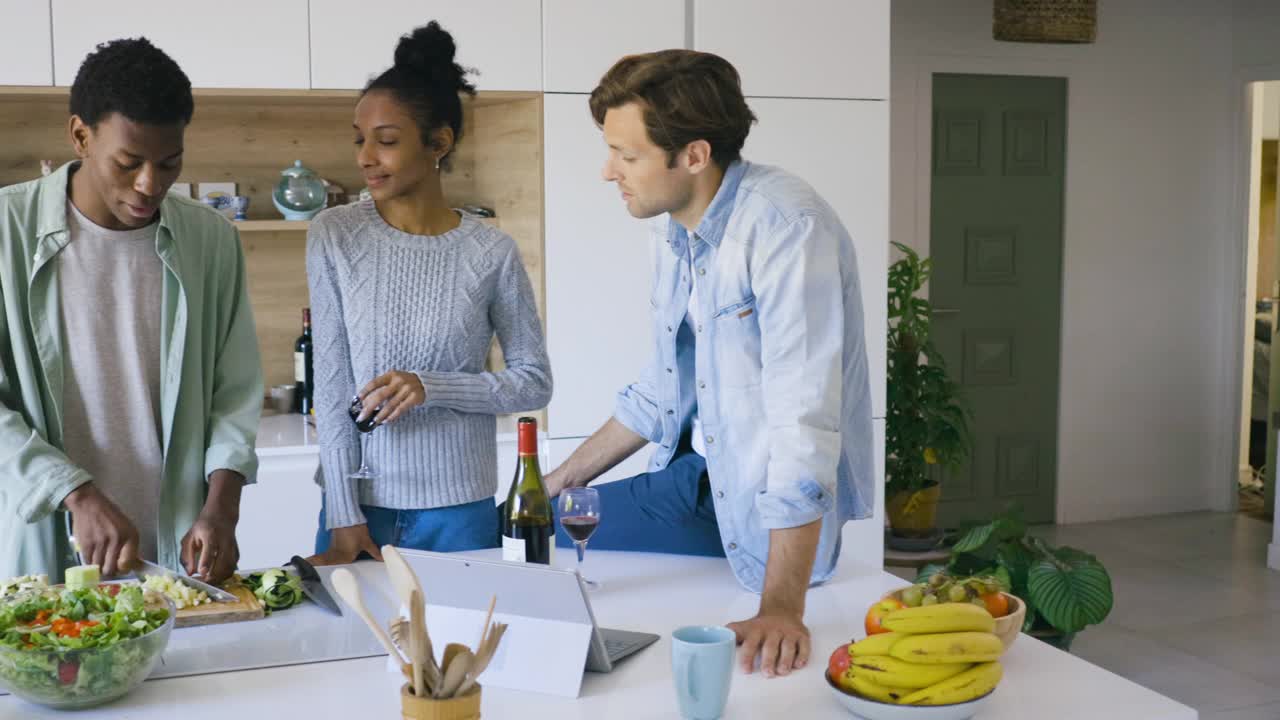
x=473, y=526
x=669, y=511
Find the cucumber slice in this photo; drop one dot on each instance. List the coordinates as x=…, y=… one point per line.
x=83, y=576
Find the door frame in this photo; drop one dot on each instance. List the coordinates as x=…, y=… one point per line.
x=1223, y=494
x=921, y=96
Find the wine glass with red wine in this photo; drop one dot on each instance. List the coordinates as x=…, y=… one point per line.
x=365, y=427
x=579, y=516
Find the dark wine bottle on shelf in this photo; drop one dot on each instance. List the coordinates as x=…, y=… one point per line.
x=303, y=376
x=528, y=533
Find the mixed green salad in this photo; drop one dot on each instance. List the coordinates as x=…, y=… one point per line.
x=60, y=643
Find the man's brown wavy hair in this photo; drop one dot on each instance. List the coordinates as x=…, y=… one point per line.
x=685, y=95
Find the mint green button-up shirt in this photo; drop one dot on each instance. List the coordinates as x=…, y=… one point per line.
x=211, y=376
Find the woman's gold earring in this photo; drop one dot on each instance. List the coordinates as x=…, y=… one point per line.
x=437, y=164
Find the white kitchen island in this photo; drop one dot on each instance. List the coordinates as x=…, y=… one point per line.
x=653, y=593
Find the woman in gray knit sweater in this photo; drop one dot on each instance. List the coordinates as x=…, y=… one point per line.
x=406, y=296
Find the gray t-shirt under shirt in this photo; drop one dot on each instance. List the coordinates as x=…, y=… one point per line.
x=110, y=286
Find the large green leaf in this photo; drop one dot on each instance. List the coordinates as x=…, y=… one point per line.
x=975, y=538
x=1001, y=574
x=1011, y=526
x=1071, y=589
x=1017, y=559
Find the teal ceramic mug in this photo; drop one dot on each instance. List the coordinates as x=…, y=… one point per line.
x=702, y=668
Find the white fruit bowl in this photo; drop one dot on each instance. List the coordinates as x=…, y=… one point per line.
x=1007, y=626
x=875, y=710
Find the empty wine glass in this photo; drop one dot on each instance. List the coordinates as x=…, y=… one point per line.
x=579, y=516
x=365, y=427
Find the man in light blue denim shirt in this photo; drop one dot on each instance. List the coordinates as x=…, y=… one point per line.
x=757, y=393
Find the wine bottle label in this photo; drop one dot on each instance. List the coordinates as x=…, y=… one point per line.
x=512, y=549
x=299, y=367
x=517, y=549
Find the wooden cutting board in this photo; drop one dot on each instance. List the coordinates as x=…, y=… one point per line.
x=247, y=608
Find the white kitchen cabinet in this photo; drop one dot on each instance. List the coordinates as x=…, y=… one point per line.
x=350, y=44
x=841, y=147
x=581, y=39
x=598, y=275
x=229, y=44
x=278, y=513
x=800, y=48
x=26, y=56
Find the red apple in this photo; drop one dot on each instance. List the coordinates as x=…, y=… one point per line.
x=839, y=662
x=878, y=611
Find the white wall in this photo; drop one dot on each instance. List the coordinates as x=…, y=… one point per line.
x=1255, y=26
x=1144, y=415
x=1271, y=110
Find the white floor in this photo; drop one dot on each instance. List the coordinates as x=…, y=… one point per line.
x=1197, y=612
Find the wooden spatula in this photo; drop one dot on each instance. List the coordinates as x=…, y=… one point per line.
x=405, y=582
x=349, y=590
x=417, y=642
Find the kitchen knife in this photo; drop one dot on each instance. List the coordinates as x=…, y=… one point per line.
x=217, y=594
x=313, y=587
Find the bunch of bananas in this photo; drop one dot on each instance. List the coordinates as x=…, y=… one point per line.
x=932, y=655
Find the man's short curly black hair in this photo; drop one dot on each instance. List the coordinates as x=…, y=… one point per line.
x=134, y=78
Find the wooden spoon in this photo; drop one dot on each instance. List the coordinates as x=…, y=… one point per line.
x=405, y=582
x=455, y=671
x=403, y=579
x=349, y=590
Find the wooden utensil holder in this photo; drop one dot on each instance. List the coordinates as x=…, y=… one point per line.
x=466, y=707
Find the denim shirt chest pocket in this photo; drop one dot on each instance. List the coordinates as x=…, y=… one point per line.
x=737, y=342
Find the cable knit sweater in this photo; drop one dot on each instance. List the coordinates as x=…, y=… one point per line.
x=382, y=300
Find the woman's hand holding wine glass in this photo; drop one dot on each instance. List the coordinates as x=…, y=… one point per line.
x=392, y=394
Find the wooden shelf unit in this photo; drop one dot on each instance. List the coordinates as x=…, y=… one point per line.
x=249, y=136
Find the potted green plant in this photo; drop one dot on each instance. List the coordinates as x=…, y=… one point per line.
x=1065, y=589
x=927, y=424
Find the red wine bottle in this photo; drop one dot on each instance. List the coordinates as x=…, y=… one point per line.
x=303, y=376
x=528, y=534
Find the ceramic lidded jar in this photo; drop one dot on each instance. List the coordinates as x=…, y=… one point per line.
x=300, y=194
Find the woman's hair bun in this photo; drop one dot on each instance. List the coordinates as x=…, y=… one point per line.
x=428, y=82
x=429, y=51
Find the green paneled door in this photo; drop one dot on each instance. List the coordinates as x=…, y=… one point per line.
x=996, y=240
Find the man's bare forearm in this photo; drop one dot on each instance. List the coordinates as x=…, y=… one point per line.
x=225, y=487
x=608, y=446
x=786, y=579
